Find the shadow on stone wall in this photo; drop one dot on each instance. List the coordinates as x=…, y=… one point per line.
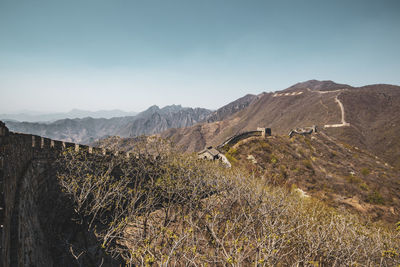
x=36, y=218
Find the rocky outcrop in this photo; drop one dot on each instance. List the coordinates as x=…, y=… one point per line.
x=231, y=108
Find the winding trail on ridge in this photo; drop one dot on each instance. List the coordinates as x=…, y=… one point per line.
x=343, y=121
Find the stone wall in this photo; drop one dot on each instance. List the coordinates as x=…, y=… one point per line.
x=303, y=131
x=35, y=217
x=263, y=132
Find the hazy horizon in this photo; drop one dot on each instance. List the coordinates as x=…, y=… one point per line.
x=129, y=55
x=36, y=112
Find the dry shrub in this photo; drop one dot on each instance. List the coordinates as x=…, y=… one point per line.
x=166, y=208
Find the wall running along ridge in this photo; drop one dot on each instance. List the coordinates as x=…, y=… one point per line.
x=241, y=136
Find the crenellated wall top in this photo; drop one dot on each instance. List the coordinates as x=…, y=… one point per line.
x=47, y=144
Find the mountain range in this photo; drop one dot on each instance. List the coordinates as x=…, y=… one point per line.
x=32, y=116
x=365, y=117
x=352, y=160
x=87, y=130
x=335, y=185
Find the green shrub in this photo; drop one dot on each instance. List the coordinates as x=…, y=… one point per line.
x=353, y=179
x=283, y=172
x=232, y=154
x=273, y=159
x=364, y=186
x=264, y=145
x=365, y=171
x=375, y=198
x=307, y=163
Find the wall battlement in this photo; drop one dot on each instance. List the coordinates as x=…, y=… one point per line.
x=39, y=143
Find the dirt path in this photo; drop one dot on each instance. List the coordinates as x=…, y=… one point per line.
x=343, y=121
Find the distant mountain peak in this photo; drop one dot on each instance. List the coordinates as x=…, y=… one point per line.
x=154, y=107
x=316, y=85
x=169, y=108
x=173, y=108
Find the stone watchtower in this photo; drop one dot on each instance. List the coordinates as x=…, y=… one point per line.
x=264, y=131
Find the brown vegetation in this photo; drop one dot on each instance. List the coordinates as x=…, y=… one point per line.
x=326, y=169
x=166, y=208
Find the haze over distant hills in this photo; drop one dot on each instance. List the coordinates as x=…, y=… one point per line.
x=88, y=129
x=32, y=116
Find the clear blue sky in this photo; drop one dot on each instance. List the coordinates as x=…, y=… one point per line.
x=59, y=55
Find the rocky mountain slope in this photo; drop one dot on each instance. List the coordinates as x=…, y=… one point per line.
x=231, y=108
x=87, y=130
x=365, y=116
x=318, y=164
x=325, y=168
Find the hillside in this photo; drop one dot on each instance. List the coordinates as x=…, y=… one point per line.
x=241, y=213
x=322, y=167
x=76, y=206
x=369, y=119
x=87, y=130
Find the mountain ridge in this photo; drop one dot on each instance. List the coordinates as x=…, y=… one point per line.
x=370, y=112
x=87, y=130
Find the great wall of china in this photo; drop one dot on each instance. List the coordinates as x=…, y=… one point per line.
x=244, y=135
x=337, y=100
x=28, y=186
x=340, y=104
x=24, y=161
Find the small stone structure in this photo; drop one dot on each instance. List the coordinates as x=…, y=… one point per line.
x=264, y=131
x=303, y=131
x=211, y=153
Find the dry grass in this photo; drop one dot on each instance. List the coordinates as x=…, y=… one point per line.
x=172, y=209
x=308, y=162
